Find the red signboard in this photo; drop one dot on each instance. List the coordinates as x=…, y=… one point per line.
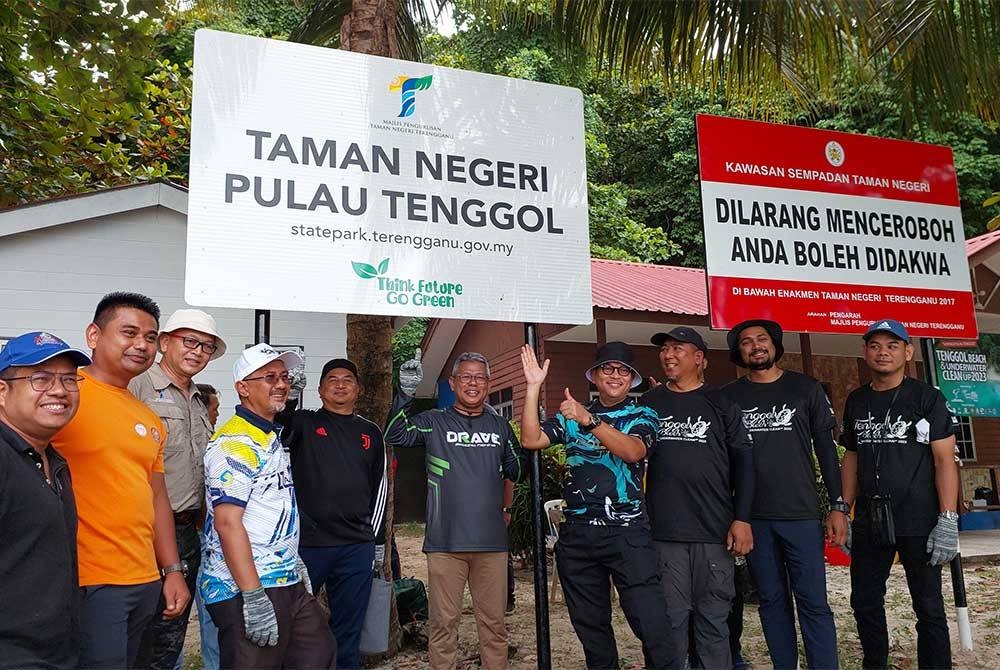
x=826, y=232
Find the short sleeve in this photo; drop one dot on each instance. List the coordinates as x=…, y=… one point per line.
x=643, y=425
x=943, y=422
x=230, y=467
x=555, y=429
x=821, y=416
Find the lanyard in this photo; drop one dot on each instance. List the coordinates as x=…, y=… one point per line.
x=876, y=450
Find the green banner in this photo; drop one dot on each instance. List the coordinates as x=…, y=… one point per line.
x=968, y=374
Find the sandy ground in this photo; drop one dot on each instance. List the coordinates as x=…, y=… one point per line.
x=982, y=583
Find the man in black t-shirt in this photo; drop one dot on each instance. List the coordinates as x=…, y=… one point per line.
x=699, y=491
x=606, y=534
x=338, y=467
x=900, y=472
x=789, y=417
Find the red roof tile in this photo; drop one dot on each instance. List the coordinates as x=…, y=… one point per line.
x=649, y=288
x=981, y=242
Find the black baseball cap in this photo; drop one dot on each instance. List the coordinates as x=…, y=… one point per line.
x=339, y=363
x=733, y=339
x=680, y=334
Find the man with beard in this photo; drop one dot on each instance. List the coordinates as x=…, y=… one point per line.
x=470, y=452
x=187, y=343
x=789, y=417
x=699, y=492
x=606, y=533
x=901, y=474
x=254, y=584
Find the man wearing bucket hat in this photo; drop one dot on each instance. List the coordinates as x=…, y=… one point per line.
x=900, y=473
x=789, y=417
x=606, y=536
x=254, y=584
x=699, y=490
x=39, y=394
x=188, y=341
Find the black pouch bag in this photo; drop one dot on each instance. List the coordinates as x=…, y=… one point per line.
x=881, y=526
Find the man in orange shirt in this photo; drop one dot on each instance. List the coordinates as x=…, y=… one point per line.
x=114, y=446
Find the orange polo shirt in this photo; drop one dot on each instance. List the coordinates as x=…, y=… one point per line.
x=113, y=445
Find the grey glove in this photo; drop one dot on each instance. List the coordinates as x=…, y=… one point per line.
x=942, y=544
x=303, y=573
x=850, y=537
x=259, y=619
x=379, y=558
x=297, y=381
x=410, y=374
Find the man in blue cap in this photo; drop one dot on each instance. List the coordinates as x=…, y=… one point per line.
x=39, y=394
x=900, y=474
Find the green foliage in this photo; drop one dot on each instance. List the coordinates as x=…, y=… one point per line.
x=553, y=478
x=406, y=340
x=824, y=497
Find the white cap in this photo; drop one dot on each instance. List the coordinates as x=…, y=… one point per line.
x=195, y=319
x=260, y=355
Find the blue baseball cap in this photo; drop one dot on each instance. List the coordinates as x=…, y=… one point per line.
x=890, y=326
x=38, y=347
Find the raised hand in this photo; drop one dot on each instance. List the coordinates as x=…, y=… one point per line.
x=410, y=374
x=533, y=374
x=571, y=409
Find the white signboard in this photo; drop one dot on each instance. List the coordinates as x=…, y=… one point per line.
x=323, y=180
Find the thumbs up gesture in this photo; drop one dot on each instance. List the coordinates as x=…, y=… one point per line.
x=571, y=409
x=410, y=374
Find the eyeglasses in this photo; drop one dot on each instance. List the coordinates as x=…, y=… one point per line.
x=193, y=343
x=468, y=379
x=271, y=378
x=612, y=370
x=43, y=381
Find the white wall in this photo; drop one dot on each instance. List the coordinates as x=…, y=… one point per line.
x=51, y=279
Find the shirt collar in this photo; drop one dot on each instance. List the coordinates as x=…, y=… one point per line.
x=161, y=381
x=20, y=445
x=256, y=420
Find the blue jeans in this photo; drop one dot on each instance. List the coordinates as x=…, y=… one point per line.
x=790, y=553
x=347, y=573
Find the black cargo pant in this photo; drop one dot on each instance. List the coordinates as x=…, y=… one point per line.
x=163, y=639
x=589, y=558
x=870, y=567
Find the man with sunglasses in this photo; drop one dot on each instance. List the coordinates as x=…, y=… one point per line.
x=188, y=341
x=606, y=537
x=39, y=394
x=253, y=582
x=114, y=446
x=470, y=452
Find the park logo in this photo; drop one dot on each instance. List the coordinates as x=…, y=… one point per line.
x=773, y=419
x=408, y=87
x=834, y=153
x=685, y=431
x=416, y=292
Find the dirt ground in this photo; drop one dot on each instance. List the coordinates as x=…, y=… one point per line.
x=982, y=583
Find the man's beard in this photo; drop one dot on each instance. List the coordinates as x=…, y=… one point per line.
x=765, y=364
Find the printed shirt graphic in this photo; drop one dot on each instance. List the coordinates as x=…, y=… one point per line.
x=900, y=432
x=246, y=466
x=601, y=488
x=468, y=457
x=781, y=417
x=689, y=486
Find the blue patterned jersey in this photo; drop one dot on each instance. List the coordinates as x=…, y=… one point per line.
x=602, y=489
x=246, y=466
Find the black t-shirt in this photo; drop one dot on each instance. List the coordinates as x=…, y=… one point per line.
x=602, y=489
x=782, y=416
x=338, y=467
x=895, y=427
x=701, y=455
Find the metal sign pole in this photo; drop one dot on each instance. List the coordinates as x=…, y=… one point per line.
x=539, y=526
x=957, y=576
x=262, y=326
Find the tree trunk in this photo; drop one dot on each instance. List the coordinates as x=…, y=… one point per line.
x=370, y=28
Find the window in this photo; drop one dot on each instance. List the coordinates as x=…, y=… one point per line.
x=503, y=402
x=964, y=441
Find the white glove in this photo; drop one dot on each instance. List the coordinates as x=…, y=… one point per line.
x=297, y=381
x=410, y=374
x=379, y=557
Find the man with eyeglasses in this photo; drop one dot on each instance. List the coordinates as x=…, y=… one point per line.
x=114, y=446
x=338, y=466
x=188, y=341
x=39, y=394
x=253, y=582
x=470, y=452
x=605, y=538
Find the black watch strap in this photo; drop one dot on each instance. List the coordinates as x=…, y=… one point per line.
x=595, y=421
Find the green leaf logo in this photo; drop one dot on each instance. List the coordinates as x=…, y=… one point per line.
x=366, y=271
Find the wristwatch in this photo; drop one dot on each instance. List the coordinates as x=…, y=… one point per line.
x=840, y=506
x=948, y=514
x=595, y=421
x=181, y=567
x=508, y=510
